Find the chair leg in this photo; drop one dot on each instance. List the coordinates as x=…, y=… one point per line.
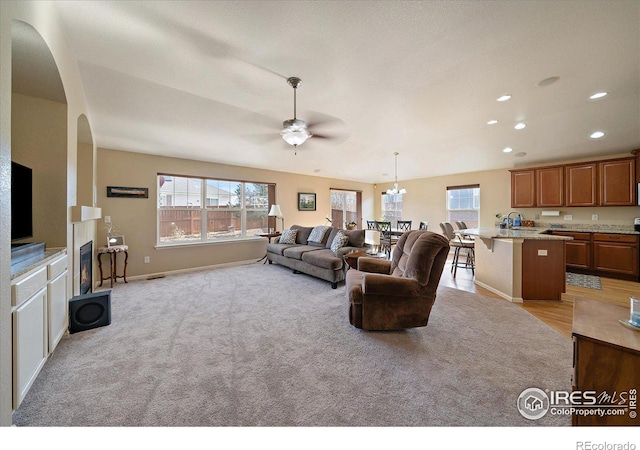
x=456, y=257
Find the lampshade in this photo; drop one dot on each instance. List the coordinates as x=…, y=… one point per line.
x=275, y=211
x=295, y=137
x=372, y=237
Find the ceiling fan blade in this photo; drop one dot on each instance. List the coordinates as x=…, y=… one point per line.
x=262, y=138
x=333, y=138
x=318, y=119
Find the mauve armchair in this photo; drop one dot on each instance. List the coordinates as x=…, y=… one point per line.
x=398, y=294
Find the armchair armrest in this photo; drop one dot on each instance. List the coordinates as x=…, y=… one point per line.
x=378, y=284
x=374, y=265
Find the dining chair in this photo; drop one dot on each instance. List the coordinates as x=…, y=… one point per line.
x=371, y=225
x=404, y=225
x=423, y=225
x=459, y=243
x=384, y=228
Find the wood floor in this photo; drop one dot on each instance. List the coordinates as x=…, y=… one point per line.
x=556, y=314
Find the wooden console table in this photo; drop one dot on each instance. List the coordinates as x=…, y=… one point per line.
x=112, y=252
x=606, y=358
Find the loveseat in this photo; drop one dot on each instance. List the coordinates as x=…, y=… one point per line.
x=316, y=257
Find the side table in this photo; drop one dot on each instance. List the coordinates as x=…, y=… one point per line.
x=268, y=236
x=112, y=252
x=352, y=258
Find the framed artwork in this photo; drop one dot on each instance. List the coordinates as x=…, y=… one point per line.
x=127, y=192
x=306, y=201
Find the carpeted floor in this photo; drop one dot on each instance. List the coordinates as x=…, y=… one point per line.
x=256, y=345
x=585, y=281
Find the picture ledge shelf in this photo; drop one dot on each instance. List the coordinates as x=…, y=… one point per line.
x=84, y=213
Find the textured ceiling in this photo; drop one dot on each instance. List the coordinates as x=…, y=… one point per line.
x=207, y=81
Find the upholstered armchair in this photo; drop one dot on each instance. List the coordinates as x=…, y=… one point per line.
x=398, y=294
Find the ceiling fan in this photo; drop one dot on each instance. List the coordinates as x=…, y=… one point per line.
x=296, y=131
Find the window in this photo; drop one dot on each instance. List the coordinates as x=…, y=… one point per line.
x=194, y=210
x=392, y=208
x=463, y=205
x=346, y=207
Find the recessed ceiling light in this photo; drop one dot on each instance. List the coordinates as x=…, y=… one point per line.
x=547, y=81
x=385, y=174
x=492, y=122
x=520, y=154
x=507, y=149
x=520, y=126
x=597, y=134
x=317, y=170
x=598, y=95
x=504, y=98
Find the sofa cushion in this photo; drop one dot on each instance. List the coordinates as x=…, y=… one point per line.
x=288, y=237
x=323, y=258
x=278, y=248
x=340, y=240
x=303, y=234
x=318, y=236
x=356, y=238
x=296, y=251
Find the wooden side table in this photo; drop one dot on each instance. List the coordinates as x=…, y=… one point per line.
x=112, y=252
x=352, y=258
x=606, y=357
x=268, y=236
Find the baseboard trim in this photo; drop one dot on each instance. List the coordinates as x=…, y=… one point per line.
x=191, y=269
x=500, y=293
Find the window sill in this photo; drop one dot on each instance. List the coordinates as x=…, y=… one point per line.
x=205, y=243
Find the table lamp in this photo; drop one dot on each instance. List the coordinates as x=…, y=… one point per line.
x=372, y=238
x=276, y=212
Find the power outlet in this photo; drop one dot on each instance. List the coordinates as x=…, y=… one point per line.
x=147, y=260
x=542, y=252
x=594, y=217
x=107, y=219
x=568, y=217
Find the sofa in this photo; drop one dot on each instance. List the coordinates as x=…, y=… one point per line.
x=316, y=257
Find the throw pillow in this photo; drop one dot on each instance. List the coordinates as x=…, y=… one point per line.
x=317, y=235
x=339, y=241
x=288, y=237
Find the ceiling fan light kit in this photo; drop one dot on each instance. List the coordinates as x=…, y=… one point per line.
x=395, y=189
x=294, y=131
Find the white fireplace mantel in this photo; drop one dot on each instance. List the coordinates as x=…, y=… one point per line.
x=84, y=213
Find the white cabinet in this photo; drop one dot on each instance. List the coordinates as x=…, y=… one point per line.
x=30, y=343
x=57, y=303
x=39, y=319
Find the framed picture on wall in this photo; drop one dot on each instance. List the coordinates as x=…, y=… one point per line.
x=127, y=192
x=306, y=201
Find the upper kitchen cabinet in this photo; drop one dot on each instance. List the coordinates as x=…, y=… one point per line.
x=610, y=182
x=581, y=184
x=550, y=182
x=617, y=182
x=523, y=192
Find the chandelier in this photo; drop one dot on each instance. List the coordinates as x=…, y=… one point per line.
x=395, y=189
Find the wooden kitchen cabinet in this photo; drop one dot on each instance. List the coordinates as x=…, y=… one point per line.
x=615, y=253
x=606, y=357
x=581, y=187
x=523, y=189
x=617, y=182
x=578, y=250
x=550, y=186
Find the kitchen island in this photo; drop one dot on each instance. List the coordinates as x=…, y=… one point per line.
x=520, y=264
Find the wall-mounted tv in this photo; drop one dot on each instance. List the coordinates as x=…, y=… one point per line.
x=21, y=202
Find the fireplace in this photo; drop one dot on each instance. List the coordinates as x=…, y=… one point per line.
x=86, y=268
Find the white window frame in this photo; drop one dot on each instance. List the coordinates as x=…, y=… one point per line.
x=457, y=188
x=204, y=239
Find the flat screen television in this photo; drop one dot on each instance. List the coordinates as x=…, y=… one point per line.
x=21, y=202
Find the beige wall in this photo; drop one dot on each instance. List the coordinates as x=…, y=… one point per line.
x=136, y=218
x=426, y=198
x=39, y=141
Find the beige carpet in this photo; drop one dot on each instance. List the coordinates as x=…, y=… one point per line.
x=256, y=345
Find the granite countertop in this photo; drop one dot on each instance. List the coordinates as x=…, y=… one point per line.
x=517, y=233
x=23, y=267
